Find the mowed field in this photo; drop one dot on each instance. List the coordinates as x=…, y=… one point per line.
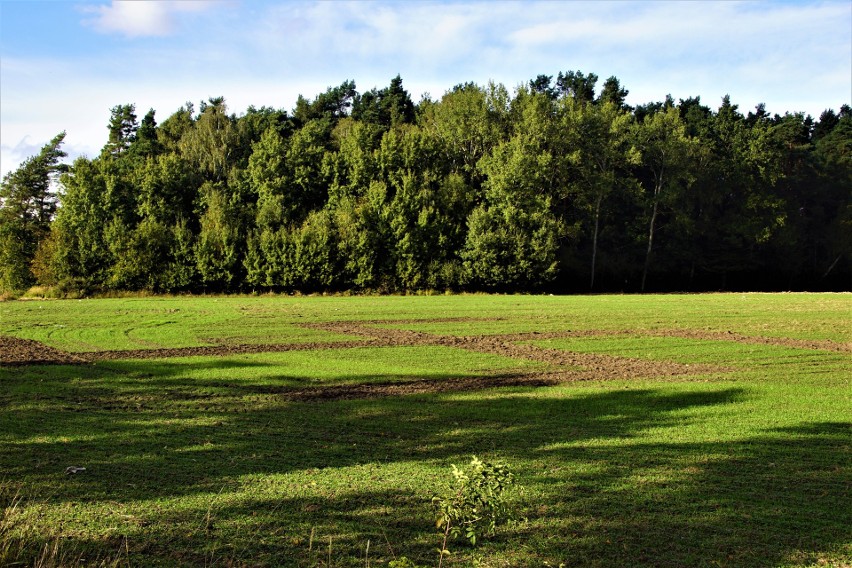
x=673, y=430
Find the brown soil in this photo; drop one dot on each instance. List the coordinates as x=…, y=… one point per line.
x=222, y=350
x=565, y=366
x=14, y=351
x=582, y=365
x=822, y=345
x=422, y=386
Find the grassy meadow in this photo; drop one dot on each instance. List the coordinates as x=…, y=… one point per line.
x=208, y=461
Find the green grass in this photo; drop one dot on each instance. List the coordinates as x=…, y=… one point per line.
x=144, y=323
x=200, y=461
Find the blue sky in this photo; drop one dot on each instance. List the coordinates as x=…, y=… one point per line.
x=63, y=65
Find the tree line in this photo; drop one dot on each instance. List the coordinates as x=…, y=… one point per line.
x=555, y=186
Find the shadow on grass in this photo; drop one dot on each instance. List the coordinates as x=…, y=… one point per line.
x=598, y=492
x=777, y=499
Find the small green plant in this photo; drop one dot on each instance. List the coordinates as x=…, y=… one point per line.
x=402, y=562
x=476, y=502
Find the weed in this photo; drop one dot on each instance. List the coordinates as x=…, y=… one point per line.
x=476, y=502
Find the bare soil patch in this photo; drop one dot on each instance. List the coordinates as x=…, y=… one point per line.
x=15, y=351
x=564, y=366
x=583, y=366
x=421, y=386
x=222, y=350
x=822, y=345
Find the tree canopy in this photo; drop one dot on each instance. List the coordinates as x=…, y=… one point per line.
x=556, y=186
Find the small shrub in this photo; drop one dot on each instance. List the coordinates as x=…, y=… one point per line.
x=7, y=296
x=476, y=502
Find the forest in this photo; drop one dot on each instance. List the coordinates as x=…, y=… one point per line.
x=556, y=186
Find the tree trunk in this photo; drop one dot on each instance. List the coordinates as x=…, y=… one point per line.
x=651, y=235
x=595, y=240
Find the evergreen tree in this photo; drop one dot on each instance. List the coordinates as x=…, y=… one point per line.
x=27, y=207
x=122, y=129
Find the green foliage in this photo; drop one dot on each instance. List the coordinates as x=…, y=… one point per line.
x=550, y=186
x=268, y=178
x=218, y=248
x=307, y=189
x=476, y=502
x=513, y=237
x=15, y=256
x=314, y=261
x=81, y=254
x=168, y=187
x=598, y=163
x=386, y=107
x=172, y=130
x=467, y=123
x=209, y=145
x=178, y=273
x=27, y=207
x=332, y=105
x=350, y=169
x=511, y=247
x=666, y=156
x=146, y=143
x=402, y=562
x=122, y=129
x=577, y=85
x=613, y=93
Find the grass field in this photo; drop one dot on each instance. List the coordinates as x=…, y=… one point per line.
x=673, y=430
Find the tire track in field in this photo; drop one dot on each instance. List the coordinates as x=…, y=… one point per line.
x=571, y=365
x=685, y=333
x=563, y=365
x=574, y=366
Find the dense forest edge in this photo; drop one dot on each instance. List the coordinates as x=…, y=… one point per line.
x=555, y=187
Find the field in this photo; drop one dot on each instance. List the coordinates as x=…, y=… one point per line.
x=673, y=430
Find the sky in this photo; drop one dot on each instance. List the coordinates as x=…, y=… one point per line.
x=65, y=64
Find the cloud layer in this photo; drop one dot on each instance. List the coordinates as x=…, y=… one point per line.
x=139, y=19
x=794, y=56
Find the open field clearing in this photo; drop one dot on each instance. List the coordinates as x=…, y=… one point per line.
x=675, y=430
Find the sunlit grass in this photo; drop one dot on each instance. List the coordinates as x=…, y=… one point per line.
x=198, y=461
x=144, y=323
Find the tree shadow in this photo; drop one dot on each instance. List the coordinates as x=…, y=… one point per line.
x=601, y=494
x=774, y=499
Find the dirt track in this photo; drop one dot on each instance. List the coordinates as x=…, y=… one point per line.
x=580, y=366
x=564, y=366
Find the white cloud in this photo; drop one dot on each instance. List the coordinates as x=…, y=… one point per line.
x=16, y=154
x=655, y=48
x=139, y=18
x=791, y=56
